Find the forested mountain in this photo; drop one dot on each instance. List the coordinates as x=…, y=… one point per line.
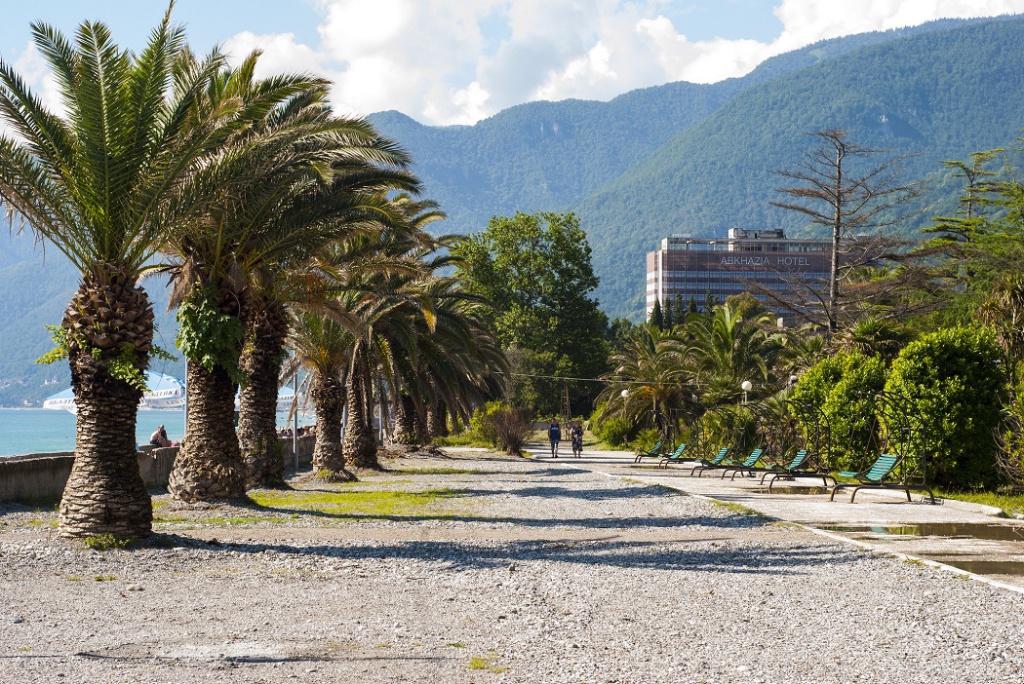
x=940, y=95
x=549, y=155
x=678, y=158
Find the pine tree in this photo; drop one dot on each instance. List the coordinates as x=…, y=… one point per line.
x=656, y=320
x=669, y=317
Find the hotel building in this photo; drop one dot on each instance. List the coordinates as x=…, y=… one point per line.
x=721, y=267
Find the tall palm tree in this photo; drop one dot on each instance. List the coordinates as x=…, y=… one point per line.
x=103, y=184
x=303, y=281
x=728, y=350
x=286, y=176
x=322, y=345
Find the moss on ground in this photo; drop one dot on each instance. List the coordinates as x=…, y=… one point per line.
x=369, y=504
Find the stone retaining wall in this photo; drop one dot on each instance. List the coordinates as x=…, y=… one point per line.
x=40, y=478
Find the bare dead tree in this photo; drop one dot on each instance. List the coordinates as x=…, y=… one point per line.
x=834, y=190
x=880, y=276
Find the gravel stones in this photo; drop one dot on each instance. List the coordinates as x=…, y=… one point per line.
x=540, y=574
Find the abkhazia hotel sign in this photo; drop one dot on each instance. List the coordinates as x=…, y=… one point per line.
x=765, y=261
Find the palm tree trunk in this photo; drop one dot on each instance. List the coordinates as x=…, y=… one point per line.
x=209, y=463
x=105, y=493
x=327, y=394
x=437, y=419
x=265, y=330
x=405, y=421
x=360, y=445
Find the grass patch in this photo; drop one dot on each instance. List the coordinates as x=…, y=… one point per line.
x=466, y=439
x=226, y=521
x=106, y=542
x=485, y=663
x=104, y=578
x=1011, y=505
x=75, y=578
x=362, y=504
x=456, y=644
x=436, y=471
x=740, y=509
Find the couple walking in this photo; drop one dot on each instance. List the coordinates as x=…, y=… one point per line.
x=575, y=433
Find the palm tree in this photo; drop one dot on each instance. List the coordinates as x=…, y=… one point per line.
x=291, y=278
x=727, y=351
x=286, y=177
x=448, y=362
x=652, y=373
x=322, y=345
x=104, y=184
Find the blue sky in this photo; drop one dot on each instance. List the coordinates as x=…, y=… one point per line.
x=457, y=61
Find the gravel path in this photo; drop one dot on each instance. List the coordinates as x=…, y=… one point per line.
x=521, y=572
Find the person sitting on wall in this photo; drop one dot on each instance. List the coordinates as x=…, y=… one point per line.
x=159, y=438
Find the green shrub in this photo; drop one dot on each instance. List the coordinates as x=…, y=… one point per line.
x=841, y=387
x=614, y=431
x=850, y=408
x=954, y=383
x=511, y=428
x=646, y=438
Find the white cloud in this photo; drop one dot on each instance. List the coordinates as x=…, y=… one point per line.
x=281, y=53
x=453, y=61
x=33, y=68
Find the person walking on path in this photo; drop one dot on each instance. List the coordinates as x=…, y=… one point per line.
x=554, y=436
x=576, y=434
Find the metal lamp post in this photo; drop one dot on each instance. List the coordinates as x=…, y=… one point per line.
x=746, y=387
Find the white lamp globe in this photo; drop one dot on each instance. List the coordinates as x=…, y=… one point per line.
x=624, y=393
x=746, y=386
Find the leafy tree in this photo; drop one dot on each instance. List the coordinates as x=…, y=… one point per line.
x=954, y=383
x=835, y=191
x=536, y=270
x=103, y=184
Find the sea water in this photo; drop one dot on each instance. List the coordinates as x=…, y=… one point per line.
x=33, y=431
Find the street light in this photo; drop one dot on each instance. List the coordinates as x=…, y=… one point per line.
x=746, y=387
x=624, y=393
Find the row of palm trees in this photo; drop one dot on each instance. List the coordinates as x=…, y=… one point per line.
x=277, y=222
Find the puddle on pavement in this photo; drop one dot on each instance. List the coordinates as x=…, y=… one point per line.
x=794, y=489
x=987, y=531
x=964, y=560
x=984, y=567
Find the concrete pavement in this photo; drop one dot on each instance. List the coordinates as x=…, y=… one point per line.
x=954, y=535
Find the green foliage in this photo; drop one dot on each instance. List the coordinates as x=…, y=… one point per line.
x=59, y=336
x=208, y=336
x=837, y=392
x=106, y=542
x=535, y=269
x=614, y=431
x=851, y=411
x=479, y=422
x=126, y=368
x=502, y=425
x=955, y=384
